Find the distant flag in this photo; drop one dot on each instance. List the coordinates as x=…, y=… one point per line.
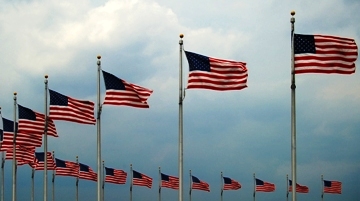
x=168, y=181
x=40, y=158
x=66, y=168
x=24, y=155
x=332, y=187
x=141, y=179
x=263, y=186
x=31, y=122
x=324, y=54
x=197, y=184
x=85, y=172
x=115, y=176
x=299, y=188
x=70, y=109
x=8, y=132
x=215, y=74
x=230, y=184
x=120, y=92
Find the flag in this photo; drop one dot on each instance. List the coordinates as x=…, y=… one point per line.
x=332, y=187
x=324, y=54
x=215, y=74
x=299, y=188
x=8, y=133
x=115, y=176
x=197, y=184
x=24, y=155
x=141, y=179
x=66, y=168
x=40, y=161
x=120, y=92
x=31, y=122
x=264, y=186
x=1, y=136
x=168, y=181
x=230, y=184
x=87, y=173
x=69, y=109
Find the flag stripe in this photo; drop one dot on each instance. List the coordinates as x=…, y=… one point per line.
x=230, y=184
x=66, y=168
x=115, y=176
x=299, y=188
x=263, y=186
x=197, y=184
x=168, y=181
x=332, y=187
x=141, y=179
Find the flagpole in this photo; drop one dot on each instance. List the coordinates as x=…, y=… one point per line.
x=254, y=187
x=77, y=181
x=222, y=187
x=14, y=152
x=2, y=168
x=293, y=111
x=287, y=187
x=131, y=183
x=53, y=180
x=32, y=184
x=98, y=131
x=322, y=184
x=45, y=137
x=181, y=98
x=103, y=182
x=159, y=183
x=190, y=184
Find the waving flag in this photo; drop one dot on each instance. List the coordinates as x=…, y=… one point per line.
x=215, y=74
x=8, y=133
x=66, y=168
x=69, y=109
x=31, y=122
x=263, y=186
x=24, y=155
x=324, y=54
x=332, y=187
x=230, y=184
x=40, y=161
x=115, y=176
x=197, y=184
x=141, y=179
x=120, y=92
x=299, y=188
x=87, y=173
x=169, y=181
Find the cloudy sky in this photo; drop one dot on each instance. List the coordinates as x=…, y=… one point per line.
x=236, y=132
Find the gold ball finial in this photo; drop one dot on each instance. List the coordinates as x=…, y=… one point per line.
x=15, y=93
x=98, y=57
x=46, y=76
x=181, y=35
x=292, y=13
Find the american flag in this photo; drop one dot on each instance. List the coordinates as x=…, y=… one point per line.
x=1, y=135
x=141, y=179
x=230, y=184
x=40, y=161
x=66, y=168
x=120, y=92
x=24, y=155
x=324, y=54
x=69, y=109
x=197, y=184
x=8, y=132
x=299, y=188
x=168, y=181
x=215, y=74
x=332, y=187
x=115, y=176
x=31, y=122
x=87, y=173
x=263, y=186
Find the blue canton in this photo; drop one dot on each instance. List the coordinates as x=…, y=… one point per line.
x=113, y=82
x=198, y=62
x=304, y=44
x=26, y=113
x=57, y=98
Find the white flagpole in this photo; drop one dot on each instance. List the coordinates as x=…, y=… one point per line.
x=45, y=137
x=131, y=181
x=190, y=185
x=98, y=131
x=222, y=186
x=2, y=168
x=181, y=98
x=14, y=152
x=159, y=184
x=77, y=181
x=53, y=178
x=293, y=111
x=103, y=182
x=254, y=186
x=32, y=184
